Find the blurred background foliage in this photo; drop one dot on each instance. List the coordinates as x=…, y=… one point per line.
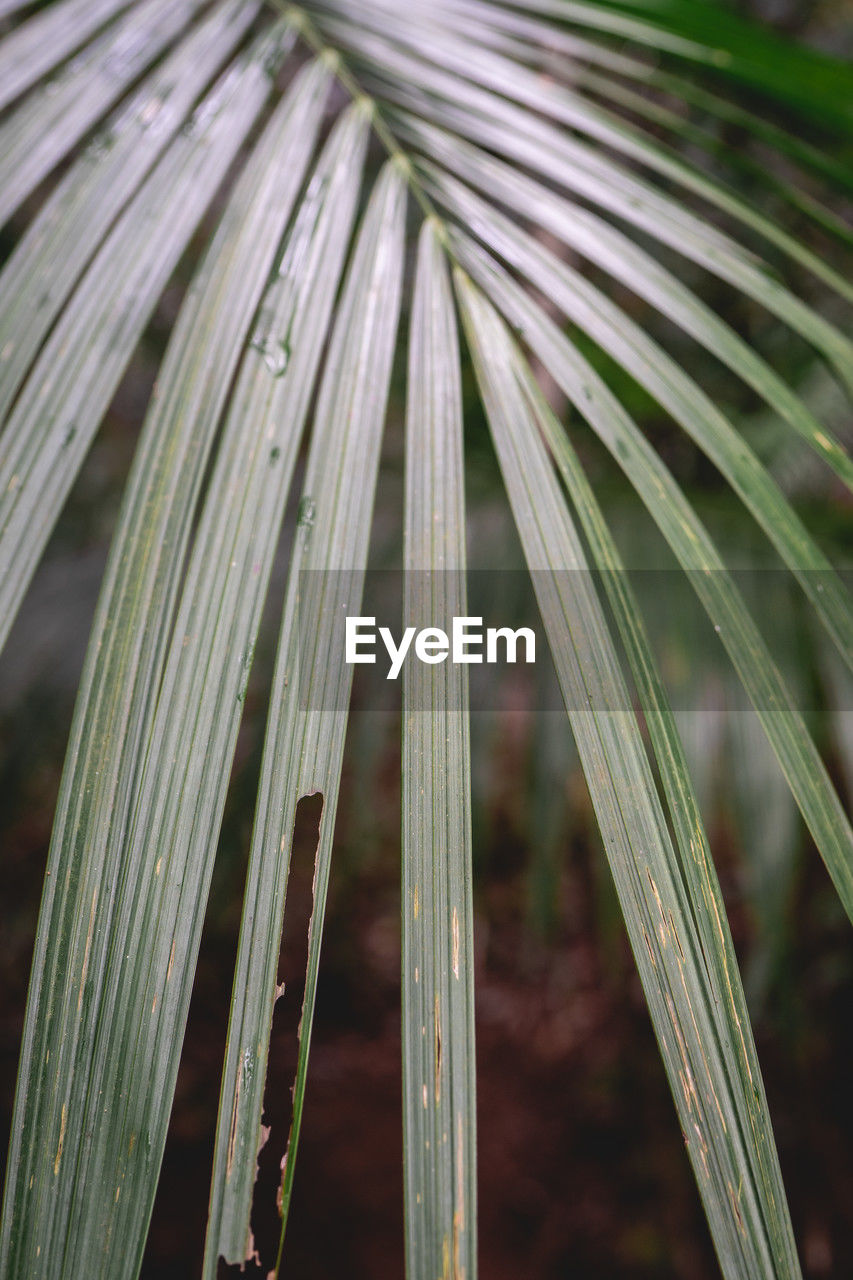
x=582, y=1167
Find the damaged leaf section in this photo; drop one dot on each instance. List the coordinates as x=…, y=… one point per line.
x=299, y=303
x=303, y=750
x=276, y=1125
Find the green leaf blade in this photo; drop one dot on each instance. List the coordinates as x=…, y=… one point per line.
x=89, y=990
x=41, y=271
x=54, y=419
x=310, y=697
x=696, y=552
x=438, y=982
x=41, y=43
x=663, y=935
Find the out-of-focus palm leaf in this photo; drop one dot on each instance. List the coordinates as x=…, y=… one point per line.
x=48, y=124
x=707, y=33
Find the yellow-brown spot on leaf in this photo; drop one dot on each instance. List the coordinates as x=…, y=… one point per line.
x=459, y=1213
x=63, y=1120
x=736, y=1208
x=676, y=937
x=656, y=894
x=437, y=1050
x=232, y=1137
x=84, y=971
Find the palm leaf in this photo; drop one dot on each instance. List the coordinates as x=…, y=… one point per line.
x=48, y=124
x=703, y=32
x=127, y=870
x=609, y=249
x=421, y=57
x=75, y=219
x=706, y=571
x=51, y=426
x=739, y=1180
x=438, y=994
x=310, y=697
x=44, y=42
x=298, y=319
x=486, y=146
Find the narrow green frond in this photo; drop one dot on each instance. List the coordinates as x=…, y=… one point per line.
x=56, y=116
x=46, y=39
x=696, y=552
x=813, y=83
x=750, y=1228
x=55, y=418
x=438, y=982
x=309, y=704
x=823, y=161
x=663, y=378
x=143, y=787
x=615, y=253
x=681, y=131
x=294, y=320
x=534, y=144
x=50, y=256
x=426, y=53
x=604, y=70
x=696, y=865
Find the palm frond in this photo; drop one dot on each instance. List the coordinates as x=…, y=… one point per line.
x=41, y=44
x=297, y=317
x=310, y=693
x=49, y=123
x=500, y=123
x=121, y=924
x=74, y=220
x=725, y=1127
x=438, y=977
x=51, y=425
